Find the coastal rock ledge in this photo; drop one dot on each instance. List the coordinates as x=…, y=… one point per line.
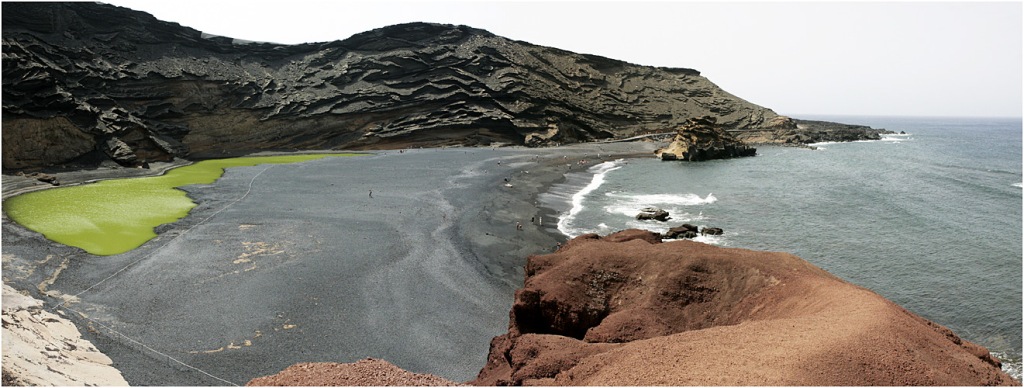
x=629, y=309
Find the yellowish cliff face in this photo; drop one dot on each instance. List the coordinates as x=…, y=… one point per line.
x=701, y=139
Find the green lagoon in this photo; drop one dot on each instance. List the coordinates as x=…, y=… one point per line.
x=115, y=216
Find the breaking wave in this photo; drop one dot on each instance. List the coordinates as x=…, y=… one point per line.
x=600, y=171
x=630, y=204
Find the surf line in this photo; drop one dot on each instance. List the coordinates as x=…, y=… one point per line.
x=600, y=171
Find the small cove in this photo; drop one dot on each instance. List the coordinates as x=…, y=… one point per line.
x=115, y=216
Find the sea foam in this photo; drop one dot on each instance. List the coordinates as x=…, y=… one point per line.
x=892, y=138
x=675, y=204
x=565, y=222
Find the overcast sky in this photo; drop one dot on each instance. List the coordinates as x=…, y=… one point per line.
x=851, y=58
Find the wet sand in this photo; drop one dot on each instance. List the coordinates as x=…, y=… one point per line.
x=281, y=264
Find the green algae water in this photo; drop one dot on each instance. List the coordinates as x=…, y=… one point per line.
x=115, y=216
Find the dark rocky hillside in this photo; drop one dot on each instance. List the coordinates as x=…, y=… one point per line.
x=88, y=82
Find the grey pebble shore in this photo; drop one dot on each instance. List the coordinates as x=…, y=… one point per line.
x=280, y=264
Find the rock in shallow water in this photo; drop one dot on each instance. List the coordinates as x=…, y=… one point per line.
x=653, y=213
x=701, y=139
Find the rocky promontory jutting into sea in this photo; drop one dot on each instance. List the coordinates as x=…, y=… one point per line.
x=413, y=258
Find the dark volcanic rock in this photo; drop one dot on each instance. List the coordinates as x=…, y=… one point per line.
x=682, y=231
x=810, y=131
x=711, y=231
x=702, y=139
x=77, y=75
x=652, y=213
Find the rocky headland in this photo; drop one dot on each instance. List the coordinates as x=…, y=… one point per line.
x=805, y=132
x=89, y=82
x=628, y=309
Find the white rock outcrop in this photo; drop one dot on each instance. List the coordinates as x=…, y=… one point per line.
x=43, y=349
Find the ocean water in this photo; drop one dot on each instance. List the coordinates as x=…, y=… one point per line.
x=930, y=220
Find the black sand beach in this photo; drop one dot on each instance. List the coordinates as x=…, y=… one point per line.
x=307, y=266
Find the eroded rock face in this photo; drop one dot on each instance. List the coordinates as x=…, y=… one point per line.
x=627, y=309
x=703, y=139
x=76, y=75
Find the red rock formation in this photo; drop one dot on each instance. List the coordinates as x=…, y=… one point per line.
x=627, y=309
x=368, y=372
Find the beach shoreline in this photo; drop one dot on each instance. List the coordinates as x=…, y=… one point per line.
x=481, y=233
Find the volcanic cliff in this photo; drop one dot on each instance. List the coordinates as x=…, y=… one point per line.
x=87, y=82
x=628, y=309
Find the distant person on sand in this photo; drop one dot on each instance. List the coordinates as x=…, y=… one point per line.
x=371, y=193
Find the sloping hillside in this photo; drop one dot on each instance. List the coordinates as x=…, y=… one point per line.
x=86, y=82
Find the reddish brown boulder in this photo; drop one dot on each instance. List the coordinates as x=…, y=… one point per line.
x=627, y=309
x=368, y=372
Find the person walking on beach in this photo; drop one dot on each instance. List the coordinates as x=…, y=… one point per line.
x=371, y=193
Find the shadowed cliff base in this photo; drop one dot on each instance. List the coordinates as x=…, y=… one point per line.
x=627, y=309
